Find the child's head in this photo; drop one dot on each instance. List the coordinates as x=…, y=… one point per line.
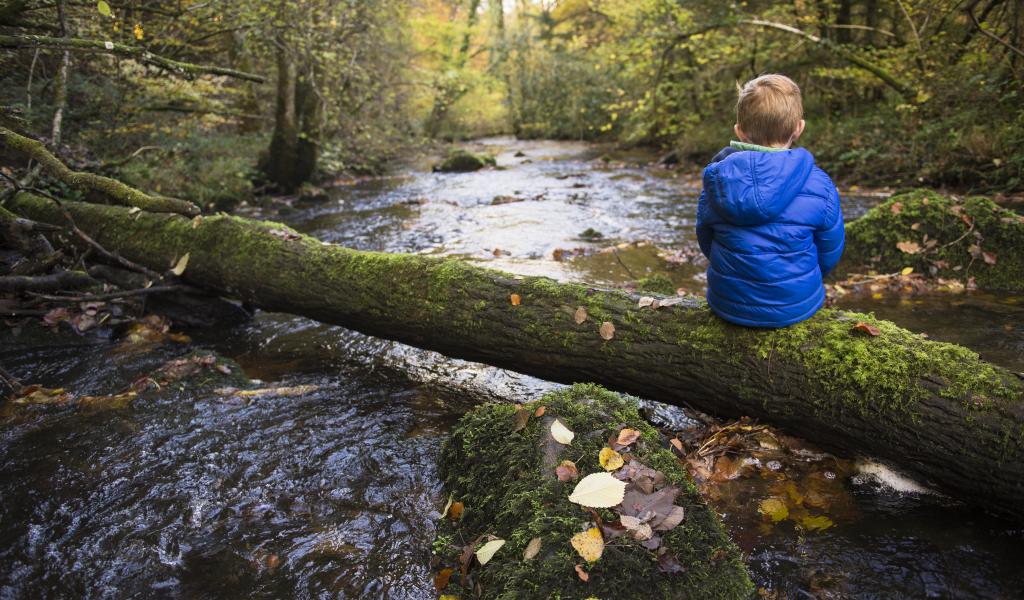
x=769, y=111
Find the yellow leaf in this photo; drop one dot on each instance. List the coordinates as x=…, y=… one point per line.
x=598, y=490
x=589, y=544
x=444, y=512
x=561, y=433
x=819, y=523
x=448, y=597
x=907, y=271
x=139, y=34
x=104, y=8
x=774, y=509
x=179, y=268
x=515, y=299
x=610, y=459
x=532, y=549
x=486, y=552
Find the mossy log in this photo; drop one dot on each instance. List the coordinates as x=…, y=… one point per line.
x=506, y=482
x=111, y=189
x=463, y=161
x=937, y=235
x=934, y=409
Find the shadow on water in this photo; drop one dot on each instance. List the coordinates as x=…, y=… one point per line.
x=334, y=493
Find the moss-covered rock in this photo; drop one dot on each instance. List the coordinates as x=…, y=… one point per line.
x=463, y=161
x=506, y=481
x=941, y=236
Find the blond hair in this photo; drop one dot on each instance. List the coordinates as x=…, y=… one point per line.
x=769, y=109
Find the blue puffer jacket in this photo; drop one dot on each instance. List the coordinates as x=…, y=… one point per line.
x=771, y=226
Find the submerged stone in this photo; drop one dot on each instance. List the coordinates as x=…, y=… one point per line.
x=506, y=479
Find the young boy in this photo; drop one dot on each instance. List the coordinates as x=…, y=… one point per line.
x=769, y=220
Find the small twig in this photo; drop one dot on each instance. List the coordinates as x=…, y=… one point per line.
x=156, y=289
x=11, y=381
x=616, y=255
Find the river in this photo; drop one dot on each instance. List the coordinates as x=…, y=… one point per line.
x=334, y=493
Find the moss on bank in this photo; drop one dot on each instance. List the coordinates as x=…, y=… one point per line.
x=509, y=490
x=462, y=161
x=945, y=237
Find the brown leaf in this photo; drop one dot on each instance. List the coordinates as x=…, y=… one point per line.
x=627, y=436
x=672, y=520
x=442, y=578
x=896, y=208
x=581, y=315
x=990, y=258
x=582, y=574
x=668, y=563
x=868, y=329
x=284, y=234
x=607, y=330
x=522, y=417
x=456, y=510
x=678, y=445
x=532, y=549
x=909, y=247
x=56, y=316
x=515, y=299
x=566, y=471
x=539, y=412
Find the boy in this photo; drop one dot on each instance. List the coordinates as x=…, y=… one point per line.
x=769, y=220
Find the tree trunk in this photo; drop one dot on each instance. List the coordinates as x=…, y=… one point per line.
x=501, y=483
x=282, y=158
x=934, y=409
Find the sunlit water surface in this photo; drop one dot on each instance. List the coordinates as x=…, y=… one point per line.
x=334, y=493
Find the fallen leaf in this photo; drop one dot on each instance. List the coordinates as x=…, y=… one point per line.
x=444, y=513
x=674, y=518
x=868, y=329
x=990, y=258
x=589, y=544
x=583, y=575
x=561, y=433
x=581, y=315
x=896, y=208
x=640, y=530
x=677, y=444
x=818, y=523
x=456, y=510
x=774, y=509
x=645, y=301
x=515, y=299
x=35, y=394
x=907, y=271
x=179, y=267
x=627, y=436
x=909, y=247
x=566, y=471
x=607, y=330
x=284, y=234
x=56, y=316
x=522, y=417
x=598, y=490
x=486, y=552
x=442, y=578
x=539, y=412
x=532, y=549
x=668, y=563
x=609, y=459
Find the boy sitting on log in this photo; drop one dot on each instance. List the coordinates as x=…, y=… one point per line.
x=769, y=219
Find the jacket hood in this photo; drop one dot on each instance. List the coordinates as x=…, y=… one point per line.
x=752, y=188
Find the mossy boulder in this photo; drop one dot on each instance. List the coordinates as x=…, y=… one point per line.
x=463, y=161
x=942, y=237
x=507, y=483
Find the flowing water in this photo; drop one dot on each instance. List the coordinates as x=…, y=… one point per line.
x=333, y=493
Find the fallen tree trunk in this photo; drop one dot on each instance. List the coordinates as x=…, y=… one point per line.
x=934, y=409
x=966, y=239
x=504, y=479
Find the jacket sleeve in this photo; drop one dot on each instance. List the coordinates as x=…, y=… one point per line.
x=830, y=238
x=705, y=232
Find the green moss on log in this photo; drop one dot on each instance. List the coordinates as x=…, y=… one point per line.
x=934, y=409
x=463, y=161
x=950, y=238
x=508, y=486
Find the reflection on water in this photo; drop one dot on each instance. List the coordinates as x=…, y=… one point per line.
x=332, y=494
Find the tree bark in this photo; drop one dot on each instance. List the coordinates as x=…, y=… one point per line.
x=936, y=410
x=282, y=157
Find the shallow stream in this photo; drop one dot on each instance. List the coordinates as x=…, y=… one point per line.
x=333, y=493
